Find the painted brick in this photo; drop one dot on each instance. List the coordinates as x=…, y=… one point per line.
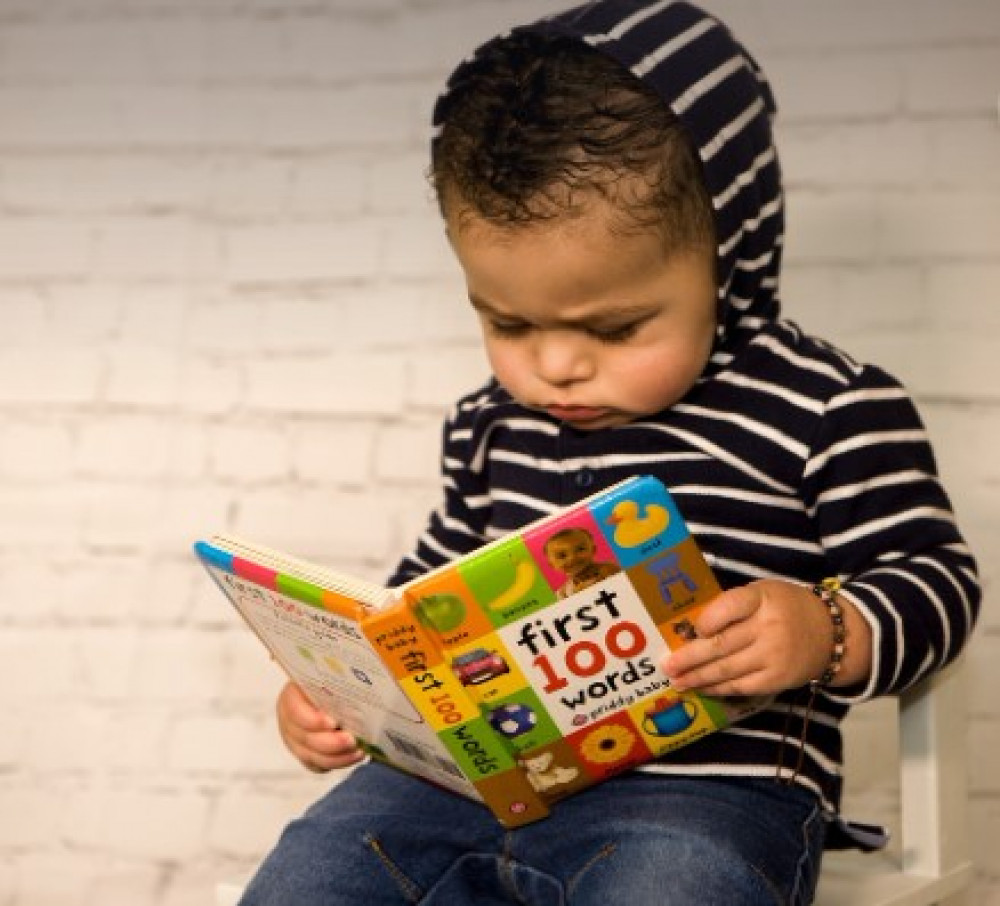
x=840, y=303
x=409, y=453
x=984, y=737
x=226, y=326
x=965, y=154
x=38, y=816
x=142, y=376
x=348, y=384
x=122, y=516
x=84, y=596
x=388, y=316
x=210, y=743
x=155, y=248
x=227, y=304
x=917, y=226
x=447, y=315
x=57, y=878
x=334, y=525
x=831, y=228
x=952, y=80
x=20, y=647
x=251, y=679
x=963, y=295
x=955, y=366
x=339, y=455
x=325, y=186
x=298, y=117
x=55, y=52
x=245, y=185
x=248, y=453
x=208, y=386
x=310, y=325
x=24, y=313
x=49, y=375
x=399, y=185
x=41, y=184
x=60, y=116
x=189, y=512
x=128, y=882
x=301, y=252
x=44, y=248
x=247, y=823
x=155, y=676
x=32, y=452
x=816, y=87
x=437, y=382
x=174, y=822
x=416, y=248
x=849, y=155
x=108, y=658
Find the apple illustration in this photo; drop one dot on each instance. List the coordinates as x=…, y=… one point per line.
x=441, y=612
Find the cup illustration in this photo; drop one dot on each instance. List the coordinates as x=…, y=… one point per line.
x=669, y=716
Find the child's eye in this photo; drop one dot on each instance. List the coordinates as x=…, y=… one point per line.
x=509, y=329
x=620, y=334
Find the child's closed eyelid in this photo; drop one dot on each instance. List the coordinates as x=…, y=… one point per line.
x=508, y=328
x=619, y=334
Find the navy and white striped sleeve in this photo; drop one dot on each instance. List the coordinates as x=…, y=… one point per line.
x=457, y=525
x=889, y=531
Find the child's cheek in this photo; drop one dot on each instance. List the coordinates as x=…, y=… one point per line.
x=510, y=367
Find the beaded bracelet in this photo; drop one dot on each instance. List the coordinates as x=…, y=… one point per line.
x=826, y=591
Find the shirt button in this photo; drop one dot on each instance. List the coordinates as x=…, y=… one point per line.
x=584, y=478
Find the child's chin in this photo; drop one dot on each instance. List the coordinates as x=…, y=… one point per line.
x=602, y=423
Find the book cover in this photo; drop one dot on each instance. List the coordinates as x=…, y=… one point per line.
x=311, y=622
x=520, y=673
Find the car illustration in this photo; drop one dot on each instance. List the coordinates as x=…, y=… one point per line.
x=478, y=666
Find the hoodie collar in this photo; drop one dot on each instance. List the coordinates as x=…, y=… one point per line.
x=717, y=90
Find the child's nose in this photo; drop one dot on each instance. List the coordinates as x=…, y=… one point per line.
x=562, y=357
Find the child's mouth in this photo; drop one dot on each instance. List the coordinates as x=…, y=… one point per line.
x=576, y=414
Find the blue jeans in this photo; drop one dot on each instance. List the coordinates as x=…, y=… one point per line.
x=381, y=838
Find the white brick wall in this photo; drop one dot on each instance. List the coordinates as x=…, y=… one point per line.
x=226, y=302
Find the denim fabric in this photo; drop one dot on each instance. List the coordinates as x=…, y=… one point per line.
x=382, y=838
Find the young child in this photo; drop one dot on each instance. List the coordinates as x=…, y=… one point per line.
x=611, y=191
x=572, y=551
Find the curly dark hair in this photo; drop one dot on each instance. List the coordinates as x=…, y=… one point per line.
x=534, y=127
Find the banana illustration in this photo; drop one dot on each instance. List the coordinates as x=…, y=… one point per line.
x=524, y=579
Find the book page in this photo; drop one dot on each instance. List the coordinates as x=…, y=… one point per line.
x=327, y=654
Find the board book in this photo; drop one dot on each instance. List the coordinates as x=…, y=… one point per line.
x=515, y=675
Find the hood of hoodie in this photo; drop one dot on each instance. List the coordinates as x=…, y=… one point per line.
x=717, y=90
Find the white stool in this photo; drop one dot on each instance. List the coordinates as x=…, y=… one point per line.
x=935, y=866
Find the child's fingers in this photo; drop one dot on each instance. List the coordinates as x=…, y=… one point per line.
x=312, y=736
x=737, y=673
x=326, y=751
x=733, y=606
x=295, y=709
x=700, y=654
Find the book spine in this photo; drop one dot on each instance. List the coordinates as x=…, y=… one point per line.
x=426, y=678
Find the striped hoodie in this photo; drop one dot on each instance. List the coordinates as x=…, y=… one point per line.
x=789, y=459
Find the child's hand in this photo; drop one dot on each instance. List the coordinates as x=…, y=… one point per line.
x=766, y=637
x=311, y=736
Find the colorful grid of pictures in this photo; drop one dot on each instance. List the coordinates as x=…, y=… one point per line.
x=557, y=633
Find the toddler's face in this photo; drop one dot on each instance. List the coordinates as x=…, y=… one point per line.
x=596, y=328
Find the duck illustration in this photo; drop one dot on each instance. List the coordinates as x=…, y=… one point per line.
x=631, y=529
